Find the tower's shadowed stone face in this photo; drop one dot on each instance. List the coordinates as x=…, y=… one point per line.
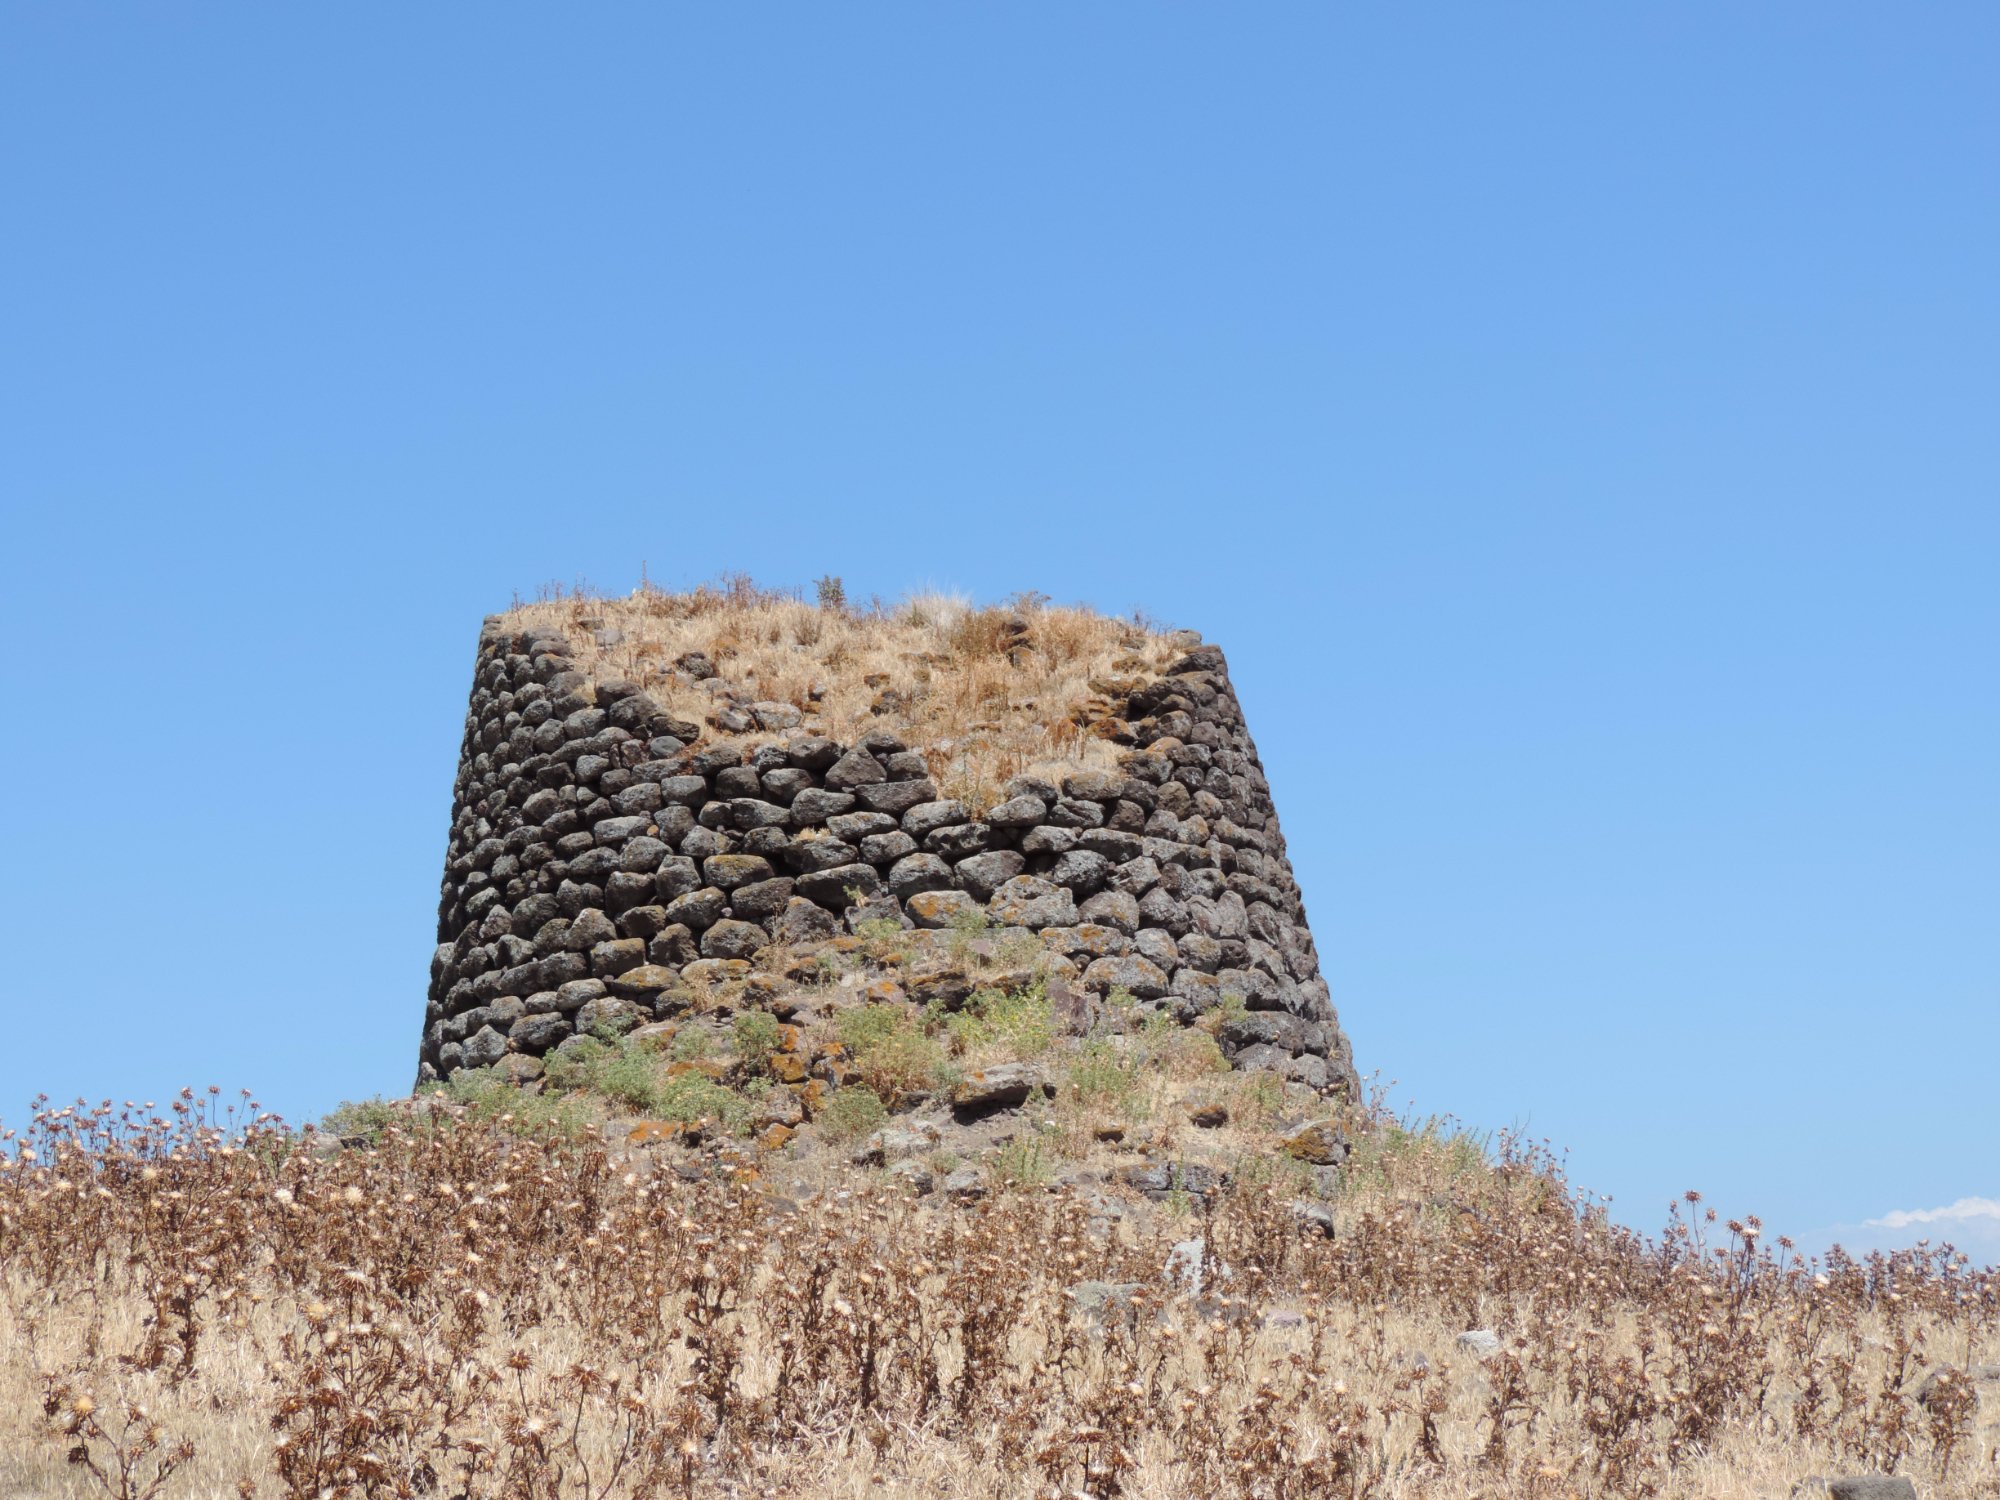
x=601, y=845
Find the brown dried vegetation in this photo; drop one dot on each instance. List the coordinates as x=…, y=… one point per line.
x=190, y=1307
x=1023, y=688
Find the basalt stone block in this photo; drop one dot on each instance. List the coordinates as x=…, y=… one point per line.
x=917, y=873
x=728, y=871
x=622, y=891
x=673, y=946
x=896, y=798
x=887, y=848
x=960, y=840
x=537, y=1032
x=762, y=898
x=702, y=843
x=804, y=921
x=766, y=843
x=783, y=785
x=983, y=874
x=484, y=1048
x=1070, y=813
x=941, y=908
x=1049, y=840
x=1018, y=812
x=1028, y=901
x=643, y=922
x=1080, y=872
x=1112, y=909
x=730, y=938
x=643, y=855
x=814, y=806
x=676, y=876
x=839, y=888
x=857, y=768
x=615, y=957
x=698, y=910
x=927, y=816
x=810, y=855
x=737, y=781
x=852, y=827
x=587, y=929
x=1140, y=977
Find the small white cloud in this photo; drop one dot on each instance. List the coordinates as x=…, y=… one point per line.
x=1972, y=1212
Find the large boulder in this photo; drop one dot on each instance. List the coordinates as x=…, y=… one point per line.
x=1006, y=1086
x=1030, y=901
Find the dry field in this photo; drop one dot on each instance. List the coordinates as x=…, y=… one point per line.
x=189, y=1308
x=987, y=694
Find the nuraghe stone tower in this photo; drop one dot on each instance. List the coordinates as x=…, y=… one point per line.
x=659, y=790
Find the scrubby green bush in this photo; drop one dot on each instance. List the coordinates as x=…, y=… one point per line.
x=621, y=1072
x=694, y=1096
x=1024, y=1162
x=891, y=1049
x=851, y=1113
x=691, y=1044
x=757, y=1037
x=1019, y=1024
x=1102, y=1075
x=491, y=1098
x=361, y=1119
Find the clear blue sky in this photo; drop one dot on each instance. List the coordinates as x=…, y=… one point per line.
x=1577, y=422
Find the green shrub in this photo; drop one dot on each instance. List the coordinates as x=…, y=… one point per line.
x=611, y=1028
x=574, y=1064
x=1284, y=1174
x=890, y=1048
x=691, y=1044
x=633, y=1077
x=1259, y=1096
x=1232, y=1007
x=1102, y=1074
x=362, y=1120
x=1022, y=1024
x=491, y=1098
x=972, y=922
x=851, y=1113
x=757, y=1037
x=967, y=927
x=624, y=1073
x=1024, y=1162
x=694, y=1096
x=867, y=1026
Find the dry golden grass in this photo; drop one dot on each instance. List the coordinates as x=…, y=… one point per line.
x=986, y=694
x=464, y=1312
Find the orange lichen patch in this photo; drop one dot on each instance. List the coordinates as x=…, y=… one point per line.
x=985, y=694
x=786, y=1067
x=708, y=1068
x=652, y=1133
x=775, y=1137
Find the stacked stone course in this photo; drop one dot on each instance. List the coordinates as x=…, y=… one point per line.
x=600, y=854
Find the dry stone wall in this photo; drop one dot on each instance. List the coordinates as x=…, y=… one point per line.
x=599, y=852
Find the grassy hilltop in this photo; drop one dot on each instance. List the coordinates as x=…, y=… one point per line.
x=913, y=1211
x=1140, y=1274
